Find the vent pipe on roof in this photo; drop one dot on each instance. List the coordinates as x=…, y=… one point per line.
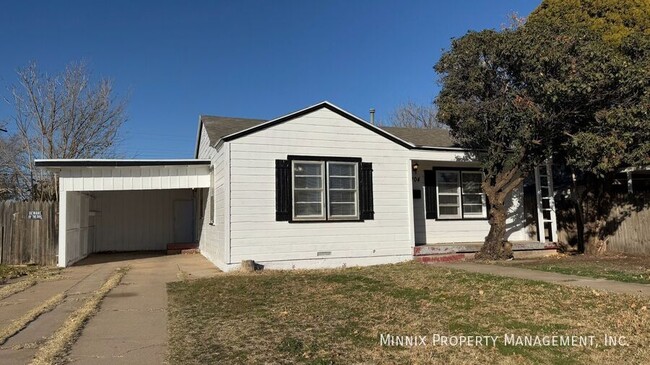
x=372, y=116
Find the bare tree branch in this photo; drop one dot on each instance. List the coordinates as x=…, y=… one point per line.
x=60, y=116
x=412, y=115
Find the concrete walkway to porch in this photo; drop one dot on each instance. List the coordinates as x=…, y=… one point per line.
x=554, y=278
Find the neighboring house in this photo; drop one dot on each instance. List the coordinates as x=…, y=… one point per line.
x=319, y=187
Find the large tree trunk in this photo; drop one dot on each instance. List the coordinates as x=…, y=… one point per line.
x=497, y=190
x=495, y=246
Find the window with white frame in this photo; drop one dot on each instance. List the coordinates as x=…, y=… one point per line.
x=211, y=197
x=459, y=194
x=342, y=190
x=448, y=190
x=325, y=190
x=308, y=190
x=473, y=197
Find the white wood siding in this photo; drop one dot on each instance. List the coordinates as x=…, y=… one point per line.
x=140, y=220
x=212, y=241
x=256, y=235
x=134, y=178
x=78, y=227
x=76, y=234
x=451, y=231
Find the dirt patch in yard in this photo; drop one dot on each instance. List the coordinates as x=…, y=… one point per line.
x=339, y=316
x=619, y=267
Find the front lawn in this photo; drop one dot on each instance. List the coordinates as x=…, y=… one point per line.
x=630, y=269
x=338, y=317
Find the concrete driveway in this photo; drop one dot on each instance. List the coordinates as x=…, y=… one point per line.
x=131, y=325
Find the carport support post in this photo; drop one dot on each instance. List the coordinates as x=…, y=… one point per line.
x=63, y=199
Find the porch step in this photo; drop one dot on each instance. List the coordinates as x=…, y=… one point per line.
x=182, y=248
x=461, y=251
x=473, y=247
x=440, y=258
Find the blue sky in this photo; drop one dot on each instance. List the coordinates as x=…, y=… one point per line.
x=257, y=59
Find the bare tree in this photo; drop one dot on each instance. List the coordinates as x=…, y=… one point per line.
x=61, y=116
x=6, y=160
x=412, y=115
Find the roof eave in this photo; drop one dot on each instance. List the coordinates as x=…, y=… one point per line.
x=58, y=163
x=329, y=106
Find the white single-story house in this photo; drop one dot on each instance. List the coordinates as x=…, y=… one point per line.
x=315, y=188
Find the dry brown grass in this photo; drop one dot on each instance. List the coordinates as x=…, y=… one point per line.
x=33, y=274
x=619, y=267
x=55, y=348
x=8, y=272
x=13, y=288
x=337, y=316
x=18, y=324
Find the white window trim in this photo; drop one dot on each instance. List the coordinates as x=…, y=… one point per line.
x=293, y=191
x=356, y=191
x=483, y=213
x=462, y=215
x=211, y=203
x=457, y=194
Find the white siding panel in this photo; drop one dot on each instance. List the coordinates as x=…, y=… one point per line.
x=432, y=231
x=212, y=241
x=78, y=228
x=109, y=183
x=134, y=178
x=256, y=235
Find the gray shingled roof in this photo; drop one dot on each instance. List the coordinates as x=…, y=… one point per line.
x=219, y=127
x=420, y=137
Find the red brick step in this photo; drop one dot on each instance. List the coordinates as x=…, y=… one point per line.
x=182, y=248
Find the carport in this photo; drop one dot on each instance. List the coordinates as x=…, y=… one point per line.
x=127, y=205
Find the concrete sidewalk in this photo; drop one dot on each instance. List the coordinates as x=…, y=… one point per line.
x=555, y=278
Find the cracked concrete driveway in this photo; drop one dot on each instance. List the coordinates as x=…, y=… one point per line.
x=131, y=326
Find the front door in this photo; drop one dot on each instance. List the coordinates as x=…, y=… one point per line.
x=183, y=221
x=419, y=218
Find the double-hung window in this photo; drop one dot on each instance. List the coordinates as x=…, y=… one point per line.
x=309, y=190
x=343, y=190
x=325, y=190
x=459, y=194
x=473, y=197
x=448, y=189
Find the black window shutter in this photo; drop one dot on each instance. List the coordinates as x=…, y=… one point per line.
x=430, y=194
x=366, y=205
x=282, y=190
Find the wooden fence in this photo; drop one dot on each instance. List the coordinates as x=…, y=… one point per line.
x=631, y=233
x=629, y=224
x=28, y=233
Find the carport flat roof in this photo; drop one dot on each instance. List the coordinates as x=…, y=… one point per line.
x=115, y=162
